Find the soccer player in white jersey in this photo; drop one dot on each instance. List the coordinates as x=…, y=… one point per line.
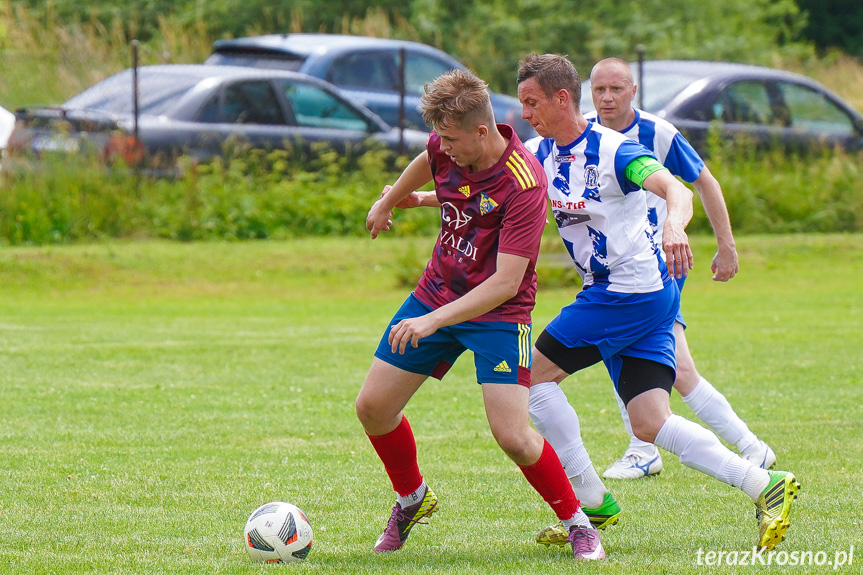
x=613, y=90
x=624, y=315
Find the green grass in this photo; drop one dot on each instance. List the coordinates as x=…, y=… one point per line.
x=153, y=394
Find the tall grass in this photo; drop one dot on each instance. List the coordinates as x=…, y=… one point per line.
x=253, y=195
x=46, y=61
x=267, y=195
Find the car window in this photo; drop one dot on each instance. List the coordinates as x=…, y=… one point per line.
x=156, y=93
x=367, y=70
x=745, y=103
x=811, y=110
x=657, y=89
x=316, y=108
x=420, y=69
x=249, y=103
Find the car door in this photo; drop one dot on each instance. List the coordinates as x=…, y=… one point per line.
x=241, y=114
x=745, y=111
x=322, y=117
x=372, y=78
x=812, y=118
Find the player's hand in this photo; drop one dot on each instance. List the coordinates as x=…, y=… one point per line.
x=724, y=265
x=678, y=254
x=410, y=331
x=379, y=219
x=413, y=200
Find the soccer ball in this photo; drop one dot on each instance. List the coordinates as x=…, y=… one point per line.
x=278, y=532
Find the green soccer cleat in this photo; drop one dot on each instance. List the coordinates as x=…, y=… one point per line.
x=773, y=507
x=606, y=514
x=600, y=517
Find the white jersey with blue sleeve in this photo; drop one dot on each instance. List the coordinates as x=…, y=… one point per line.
x=599, y=212
x=671, y=149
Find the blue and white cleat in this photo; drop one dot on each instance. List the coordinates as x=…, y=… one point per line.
x=635, y=464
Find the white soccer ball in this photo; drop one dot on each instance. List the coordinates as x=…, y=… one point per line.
x=278, y=532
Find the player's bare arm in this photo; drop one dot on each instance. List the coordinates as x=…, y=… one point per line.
x=678, y=198
x=416, y=175
x=498, y=288
x=418, y=199
x=724, y=265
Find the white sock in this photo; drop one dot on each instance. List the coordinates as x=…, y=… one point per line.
x=589, y=488
x=712, y=408
x=579, y=519
x=557, y=422
x=755, y=481
x=634, y=443
x=701, y=450
x=413, y=498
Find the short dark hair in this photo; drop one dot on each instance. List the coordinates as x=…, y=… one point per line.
x=456, y=98
x=553, y=72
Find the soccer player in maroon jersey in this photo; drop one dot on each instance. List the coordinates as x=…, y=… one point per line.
x=476, y=293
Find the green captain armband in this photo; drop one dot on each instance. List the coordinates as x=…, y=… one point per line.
x=639, y=168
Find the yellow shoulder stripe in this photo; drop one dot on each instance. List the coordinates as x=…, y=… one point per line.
x=521, y=170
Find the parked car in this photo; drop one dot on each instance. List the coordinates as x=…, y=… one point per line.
x=766, y=106
x=195, y=110
x=366, y=69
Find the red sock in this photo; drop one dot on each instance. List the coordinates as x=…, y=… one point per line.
x=398, y=451
x=549, y=479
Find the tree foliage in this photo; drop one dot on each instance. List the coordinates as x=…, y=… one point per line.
x=489, y=36
x=835, y=24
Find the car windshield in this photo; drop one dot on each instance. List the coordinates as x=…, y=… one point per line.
x=156, y=92
x=658, y=89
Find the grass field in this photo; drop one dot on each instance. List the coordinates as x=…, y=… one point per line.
x=153, y=394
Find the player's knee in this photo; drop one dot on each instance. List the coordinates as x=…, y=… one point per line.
x=687, y=378
x=367, y=412
x=516, y=445
x=644, y=429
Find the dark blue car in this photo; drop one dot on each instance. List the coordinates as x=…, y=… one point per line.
x=366, y=69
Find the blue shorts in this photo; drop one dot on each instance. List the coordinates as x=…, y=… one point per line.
x=679, y=318
x=502, y=350
x=637, y=325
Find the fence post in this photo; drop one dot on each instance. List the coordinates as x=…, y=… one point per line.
x=640, y=51
x=135, y=141
x=402, y=56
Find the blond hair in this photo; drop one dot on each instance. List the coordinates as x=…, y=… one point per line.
x=456, y=99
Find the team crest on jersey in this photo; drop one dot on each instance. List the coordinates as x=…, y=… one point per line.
x=591, y=176
x=486, y=204
x=465, y=190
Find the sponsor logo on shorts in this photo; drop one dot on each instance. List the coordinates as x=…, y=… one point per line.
x=503, y=367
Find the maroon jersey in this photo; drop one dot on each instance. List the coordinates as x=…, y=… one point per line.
x=499, y=210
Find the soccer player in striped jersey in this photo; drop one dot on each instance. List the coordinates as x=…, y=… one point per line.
x=613, y=91
x=625, y=312
x=476, y=293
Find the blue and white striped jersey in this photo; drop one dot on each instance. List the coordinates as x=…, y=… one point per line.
x=671, y=149
x=599, y=212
